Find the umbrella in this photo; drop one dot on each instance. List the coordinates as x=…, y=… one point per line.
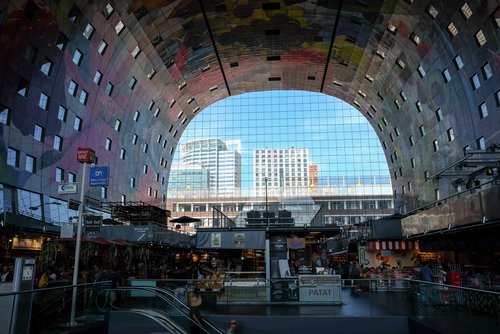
x=185, y=220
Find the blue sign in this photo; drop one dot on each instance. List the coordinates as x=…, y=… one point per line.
x=98, y=176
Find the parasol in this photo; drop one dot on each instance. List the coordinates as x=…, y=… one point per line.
x=185, y=220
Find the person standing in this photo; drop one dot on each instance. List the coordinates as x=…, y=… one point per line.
x=233, y=326
x=426, y=273
x=7, y=274
x=194, y=302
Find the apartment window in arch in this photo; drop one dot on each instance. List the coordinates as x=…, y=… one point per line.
x=123, y=152
x=109, y=89
x=23, y=87
x=150, y=191
x=474, y=81
x=134, y=139
x=437, y=194
x=451, y=134
x=421, y=129
x=59, y=175
x=72, y=88
x=123, y=199
x=89, y=31
x=39, y=133
x=97, y=77
x=71, y=177
x=58, y=143
x=483, y=110
x=5, y=114
x=84, y=97
x=145, y=148
x=107, y=145
x=30, y=164
x=137, y=114
x=118, y=125
x=439, y=115
x=101, y=49
x=46, y=67
x=435, y=145
x=119, y=27
x=481, y=145
x=12, y=157
x=487, y=71
x=77, y=57
x=145, y=169
x=62, y=113
x=132, y=182
x=44, y=101
x=412, y=162
x=77, y=125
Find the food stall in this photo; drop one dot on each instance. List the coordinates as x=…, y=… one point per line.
x=320, y=289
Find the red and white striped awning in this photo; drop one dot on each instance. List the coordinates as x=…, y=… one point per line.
x=392, y=245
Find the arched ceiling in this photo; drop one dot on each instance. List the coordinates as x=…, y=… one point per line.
x=386, y=58
x=415, y=69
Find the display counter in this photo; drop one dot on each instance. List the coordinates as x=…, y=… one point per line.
x=320, y=289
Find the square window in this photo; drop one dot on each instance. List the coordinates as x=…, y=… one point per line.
x=151, y=74
x=118, y=125
x=418, y=104
x=12, y=157
x=30, y=164
x=46, y=67
x=59, y=175
x=39, y=133
x=5, y=114
x=137, y=114
x=30, y=54
x=132, y=82
x=452, y=29
x=71, y=177
x=466, y=11
x=422, y=130
x=481, y=143
x=77, y=57
x=439, y=115
x=432, y=11
x=61, y=42
x=446, y=75
x=62, y=113
x=108, y=11
x=458, y=62
x=474, y=80
x=23, y=87
x=84, y=96
x=451, y=134
x=72, y=88
x=480, y=38
x=392, y=28
x=89, y=31
x=401, y=63
x=483, y=110
x=135, y=52
x=97, y=78
x=415, y=38
x=109, y=89
x=107, y=145
x=102, y=47
x=58, y=143
x=44, y=101
x=487, y=72
x=119, y=27
x=77, y=125
x=421, y=71
x=73, y=14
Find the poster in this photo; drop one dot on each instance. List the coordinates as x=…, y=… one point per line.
x=239, y=240
x=215, y=240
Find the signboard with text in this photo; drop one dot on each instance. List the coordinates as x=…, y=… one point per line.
x=69, y=188
x=84, y=154
x=98, y=176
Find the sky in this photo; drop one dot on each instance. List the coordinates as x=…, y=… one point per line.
x=340, y=139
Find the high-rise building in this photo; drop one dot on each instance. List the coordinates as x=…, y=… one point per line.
x=223, y=164
x=185, y=176
x=283, y=170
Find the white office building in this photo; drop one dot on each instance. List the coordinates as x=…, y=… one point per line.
x=283, y=171
x=223, y=163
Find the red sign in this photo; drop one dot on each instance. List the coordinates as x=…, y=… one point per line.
x=85, y=155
